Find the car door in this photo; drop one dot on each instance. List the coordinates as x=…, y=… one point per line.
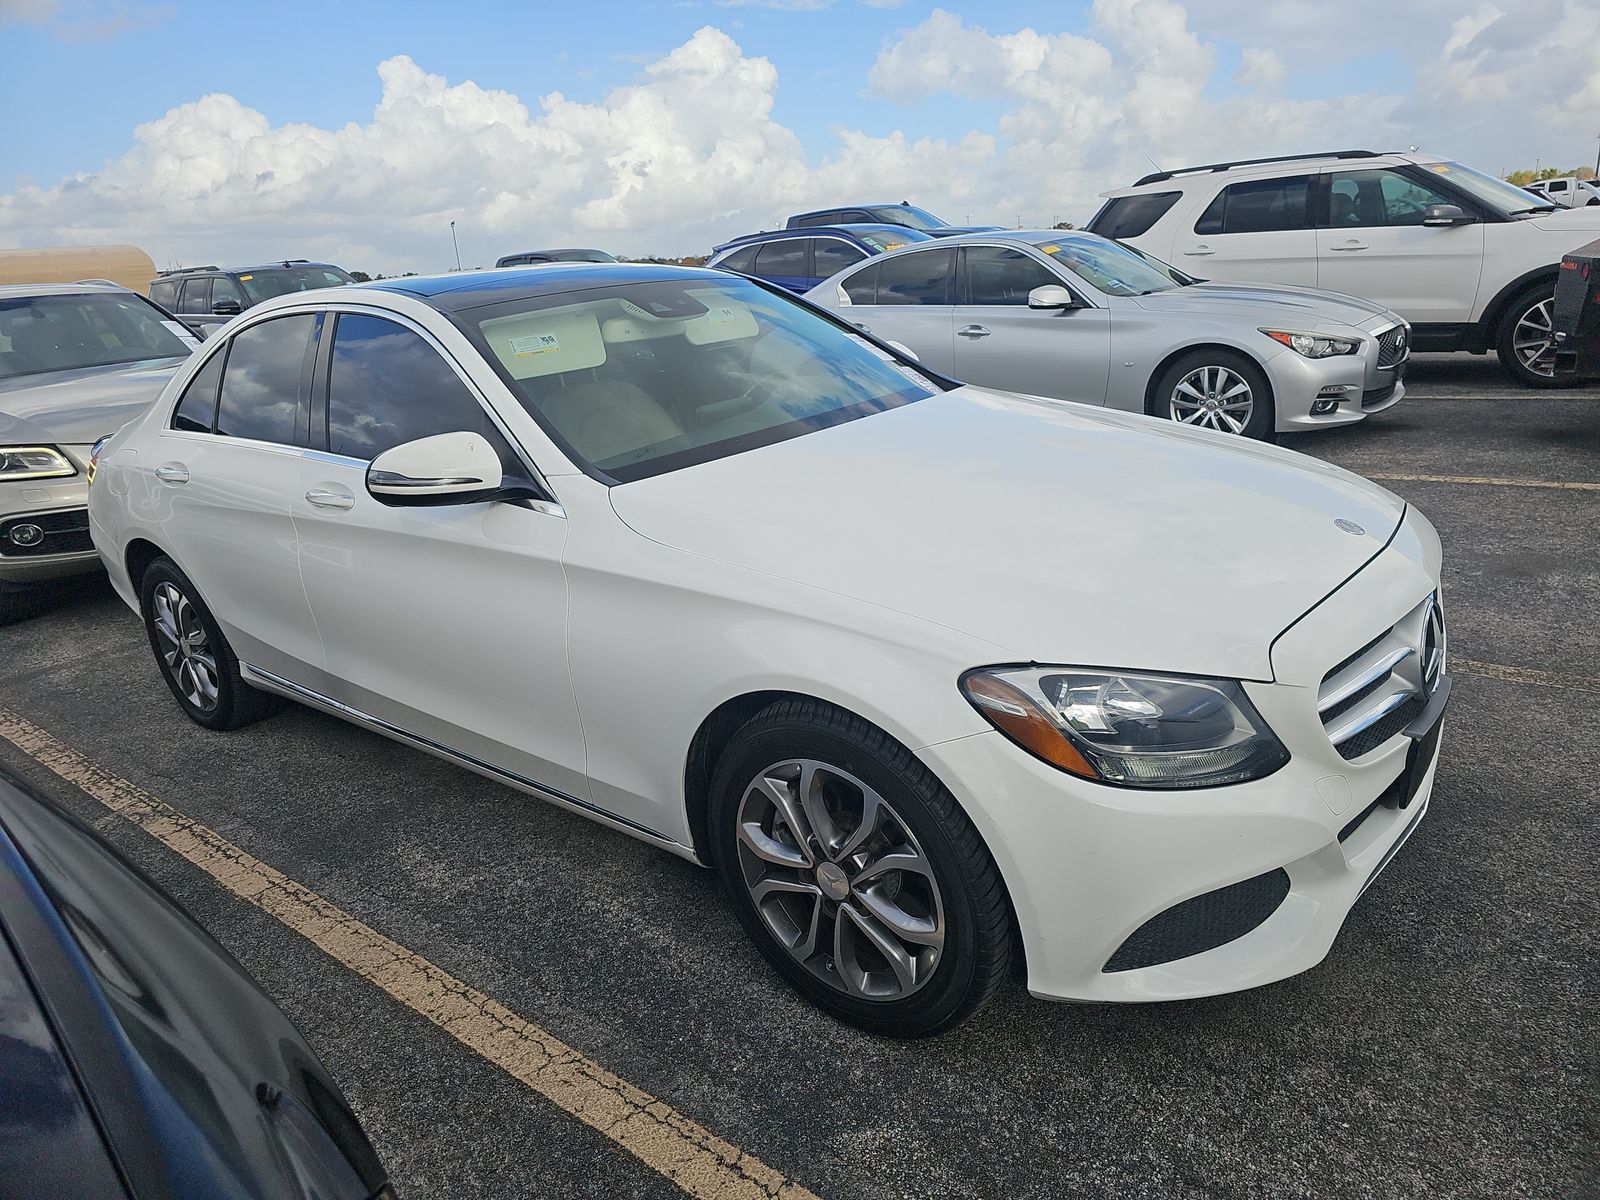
x=1254, y=231
x=906, y=298
x=785, y=262
x=1002, y=343
x=446, y=622
x=1372, y=244
x=221, y=476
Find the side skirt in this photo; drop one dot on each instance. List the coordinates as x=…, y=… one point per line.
x=267, y=681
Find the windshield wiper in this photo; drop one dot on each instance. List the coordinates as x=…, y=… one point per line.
x=1536, y=208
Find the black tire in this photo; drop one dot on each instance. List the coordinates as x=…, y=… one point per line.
x=1261, y=424
x=977, y=949
x=1505, y=336
x=236, y=703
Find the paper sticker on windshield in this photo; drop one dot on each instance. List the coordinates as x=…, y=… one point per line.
x=535, y=343
x=182, y=334
x=247, y=277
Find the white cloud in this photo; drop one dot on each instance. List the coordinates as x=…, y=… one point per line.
x=690, y=153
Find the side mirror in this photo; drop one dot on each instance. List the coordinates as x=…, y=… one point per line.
x=904, y=349
x=226, y=308
x=448, y=468
x=1442, y=216
x=1051, y=295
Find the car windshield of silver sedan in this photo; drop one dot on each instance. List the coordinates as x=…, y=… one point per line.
x=67, y=332
x=1113, y=269
x=640, y=379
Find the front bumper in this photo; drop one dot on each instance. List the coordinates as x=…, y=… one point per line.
x=1355, y=385
x=57, y=509
x=1089, y=866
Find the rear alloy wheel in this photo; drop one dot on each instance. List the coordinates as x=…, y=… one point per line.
x=1215, y=390
x=1526, y=346
x=195, y=659
x=856, y=873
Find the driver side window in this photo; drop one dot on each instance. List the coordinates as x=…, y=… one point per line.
x=1368, y=199
x=387, y=386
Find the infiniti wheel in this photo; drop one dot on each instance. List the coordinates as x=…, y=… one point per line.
x=1214, y=389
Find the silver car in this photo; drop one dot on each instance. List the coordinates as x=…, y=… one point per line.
x=77, y=361
x=1075, y=316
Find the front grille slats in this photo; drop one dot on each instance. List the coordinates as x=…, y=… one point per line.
x=1370, y=696
x=1392, y=347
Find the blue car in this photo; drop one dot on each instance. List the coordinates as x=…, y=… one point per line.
x=905, y=213
x=799, y=259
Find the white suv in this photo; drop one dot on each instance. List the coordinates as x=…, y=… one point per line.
x=1468, y=259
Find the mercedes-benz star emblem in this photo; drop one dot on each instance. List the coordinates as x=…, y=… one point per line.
x=1348, y=526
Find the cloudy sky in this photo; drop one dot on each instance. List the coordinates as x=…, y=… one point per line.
x=356, y=131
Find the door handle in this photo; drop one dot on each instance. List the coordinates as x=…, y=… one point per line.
x=1199, y=251
x=973, y=331
x=330, y=498
x=1352, y=244
x=172, y=473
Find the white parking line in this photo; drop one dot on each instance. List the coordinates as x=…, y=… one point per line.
x=654, y=1132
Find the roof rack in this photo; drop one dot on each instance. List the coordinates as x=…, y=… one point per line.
x=186, y=270
x=1158, y=176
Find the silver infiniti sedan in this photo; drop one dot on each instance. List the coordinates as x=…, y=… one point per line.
x=1075, y=316
x=77, y=361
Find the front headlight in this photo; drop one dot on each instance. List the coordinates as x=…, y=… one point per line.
x=1129, y=728
x=33, y=462
x=1314, y=345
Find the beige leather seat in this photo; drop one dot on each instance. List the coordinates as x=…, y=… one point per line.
x=604, y=420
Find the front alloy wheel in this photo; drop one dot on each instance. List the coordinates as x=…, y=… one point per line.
x=1213, y=397
x=839, y=880
x=1533, y=338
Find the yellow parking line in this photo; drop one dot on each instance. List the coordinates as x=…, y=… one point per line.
x=1489, y=480
x=655, y=1133
x=1576, y=683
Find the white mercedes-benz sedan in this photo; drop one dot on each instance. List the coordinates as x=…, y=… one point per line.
x=939, y=679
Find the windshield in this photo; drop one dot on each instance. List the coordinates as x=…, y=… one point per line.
x=67, y=332
x=1113, y=269
x=885, y=240
x=1504, y=198
x=266, y=282
x=910, y=215
x=640, y=379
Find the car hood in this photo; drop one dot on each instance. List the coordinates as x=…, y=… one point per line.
x=1569, y=220
x=1053, y=531
x=1281, y=304
x=76, y=407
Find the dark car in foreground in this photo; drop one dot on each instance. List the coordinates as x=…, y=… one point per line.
x=801, y=259
x=905, y=213
x=1575, y=316
x=532, y=258
x=207, y=298
x=137, y=1059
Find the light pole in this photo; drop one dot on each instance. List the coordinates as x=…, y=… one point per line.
x=454, y=243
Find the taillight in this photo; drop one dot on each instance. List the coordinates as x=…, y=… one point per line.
x=94, y=456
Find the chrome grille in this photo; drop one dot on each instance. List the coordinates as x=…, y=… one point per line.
x=1369, y=697
x=1393, y=346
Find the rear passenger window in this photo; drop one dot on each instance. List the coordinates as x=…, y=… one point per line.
x=198, y=408
x=742, y=261
x=862, y=287
x=1130, y=216
x=920, y=278
x=387, y=386
x=1258, y=206
x=261, y=384
x=786, y=259
x=832, y=256
x=196, y=295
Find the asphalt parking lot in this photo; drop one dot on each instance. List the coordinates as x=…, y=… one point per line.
x=1446, y=1046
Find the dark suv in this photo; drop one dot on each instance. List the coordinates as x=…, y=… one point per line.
x=206, y=298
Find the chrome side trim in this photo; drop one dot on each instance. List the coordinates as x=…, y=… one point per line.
x=1343, y=733
x=1363, y=677
x=379, y=725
